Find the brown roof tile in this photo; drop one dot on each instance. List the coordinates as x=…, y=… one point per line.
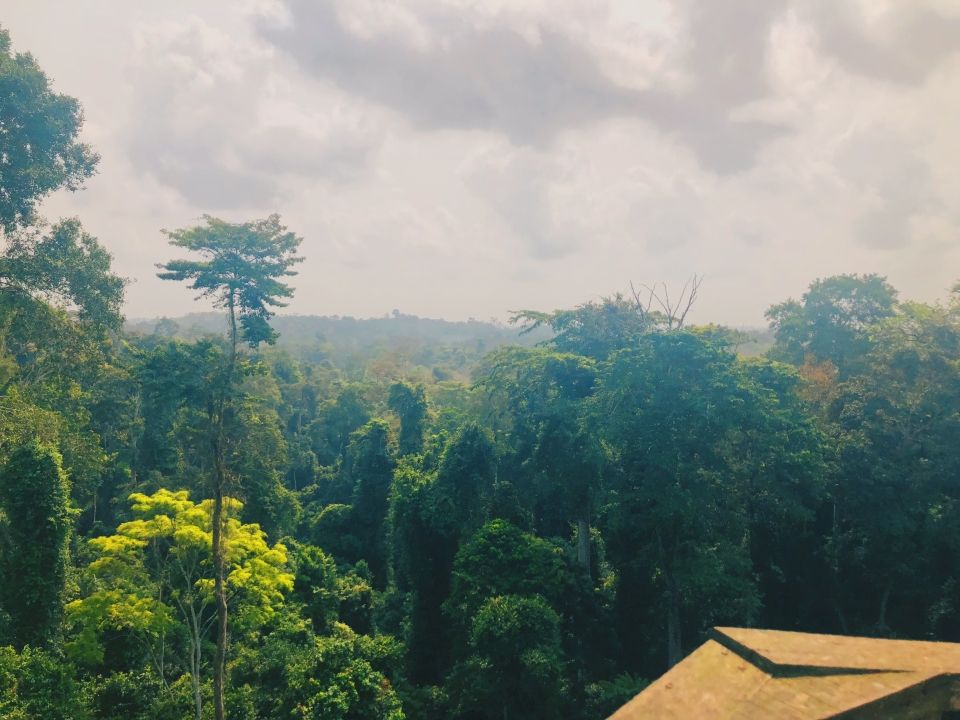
x=743, y=674
x=711, y=677
x=784, y=648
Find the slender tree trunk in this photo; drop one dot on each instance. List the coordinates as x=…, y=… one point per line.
x=674, y=646
x=841, y=617
x=884, y=600
x=197, y=699
x=195, y=663
x=219, y=664
x=672, y=598
x=218, y=520
x=161, y=667
x=835, y=568
x=583, y=541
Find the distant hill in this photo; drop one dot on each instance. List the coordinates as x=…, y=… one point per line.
x=346, y=340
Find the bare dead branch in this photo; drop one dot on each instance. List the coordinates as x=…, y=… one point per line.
x=674, y=312
x=694, y=283
x=642, y=310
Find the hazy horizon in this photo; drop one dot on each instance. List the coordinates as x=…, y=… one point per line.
x=458, y=159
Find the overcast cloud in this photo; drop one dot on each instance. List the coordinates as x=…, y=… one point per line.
x=456, y=158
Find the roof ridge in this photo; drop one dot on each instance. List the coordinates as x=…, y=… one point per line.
x=772, y=631
x=775, y=669
x=921, y=681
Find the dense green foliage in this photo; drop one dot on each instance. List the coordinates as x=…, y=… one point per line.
x=196, y=524
x=34, y=495
x=39, y=151
x=240, y=266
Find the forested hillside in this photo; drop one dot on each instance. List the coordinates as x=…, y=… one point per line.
x=399, y=343
x=481, y=525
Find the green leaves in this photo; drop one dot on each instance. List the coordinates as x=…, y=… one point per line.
x=338, y=676
x=515, y=669
x=410, y=405
x=35, y=683
x=68, y=267
x=500, y=559
x=710, y=449
x=158, y=566
x=39, y=151
x=34, y=494
x=832, y=321
x=595, y=329
x=240, y=269
x=507, y=627
x=896, y=426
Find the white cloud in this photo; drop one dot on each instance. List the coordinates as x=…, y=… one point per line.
x=454, y=158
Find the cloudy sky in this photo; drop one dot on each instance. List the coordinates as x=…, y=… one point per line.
x=456, y=158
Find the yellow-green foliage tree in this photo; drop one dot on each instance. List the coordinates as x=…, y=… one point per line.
x=157, y=572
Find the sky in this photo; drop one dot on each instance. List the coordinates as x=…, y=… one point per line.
x=466, y=158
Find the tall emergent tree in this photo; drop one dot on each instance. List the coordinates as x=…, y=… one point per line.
x=35, y=496
x=241, y=267
x=543, y=393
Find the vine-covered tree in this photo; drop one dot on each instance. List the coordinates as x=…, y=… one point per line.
x=369, y=467
x=544, y=396
x=410, y=405
x=35, y=495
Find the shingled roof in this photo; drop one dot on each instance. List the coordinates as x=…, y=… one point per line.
x=744, y=673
